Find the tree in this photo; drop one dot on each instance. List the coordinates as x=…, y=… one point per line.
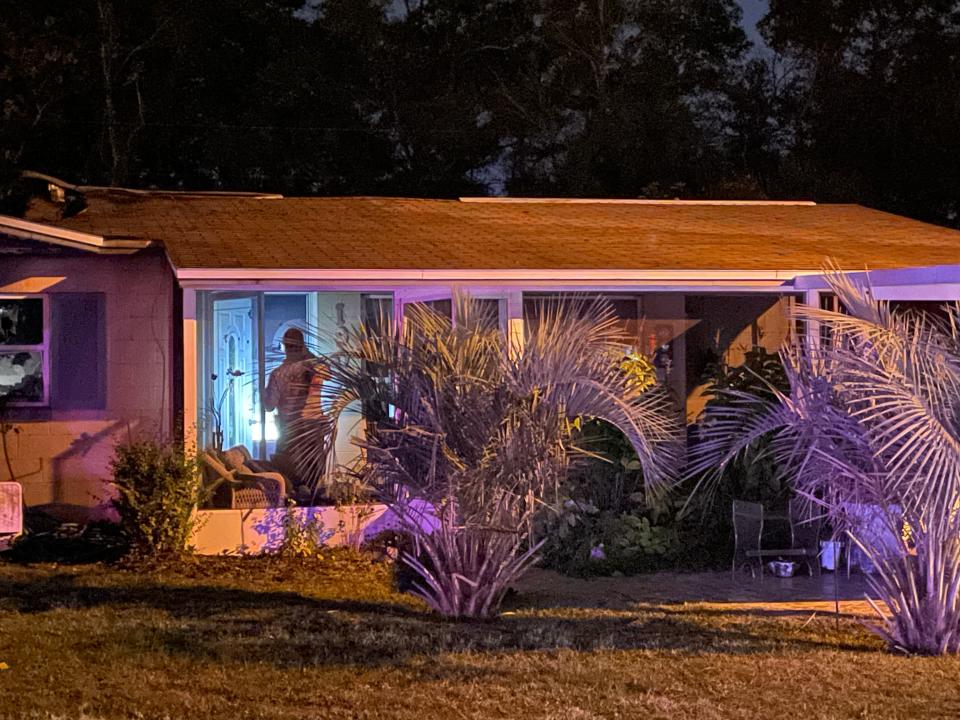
x=619, y=98
x=870, y=422
x=877, y=103
x=478, y=430
x=609, y=97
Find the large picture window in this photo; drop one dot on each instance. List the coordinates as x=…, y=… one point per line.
x=24, y=350
x=241, y=345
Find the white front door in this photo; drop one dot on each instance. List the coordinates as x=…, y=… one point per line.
x=236, y=387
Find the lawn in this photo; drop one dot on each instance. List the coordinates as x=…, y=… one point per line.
x=265, y=638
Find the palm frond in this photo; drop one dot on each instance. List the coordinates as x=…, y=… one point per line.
x=459, y=418
x=872, y=419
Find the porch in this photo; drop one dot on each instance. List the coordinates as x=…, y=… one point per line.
x=232, y=339
x=688, y=323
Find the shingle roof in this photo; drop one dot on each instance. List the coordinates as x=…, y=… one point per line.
x=392, y=233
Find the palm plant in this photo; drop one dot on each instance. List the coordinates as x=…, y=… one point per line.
x=477, y=431
x=871, y=419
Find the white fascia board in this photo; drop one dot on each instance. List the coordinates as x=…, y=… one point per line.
x=69, y=238
x=929, y=277
x=939, y=292
x=489, y=289
x=695, y=277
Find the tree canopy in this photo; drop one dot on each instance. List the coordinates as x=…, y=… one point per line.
x=853, y=100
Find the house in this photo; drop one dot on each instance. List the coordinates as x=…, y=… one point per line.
x=129, y=311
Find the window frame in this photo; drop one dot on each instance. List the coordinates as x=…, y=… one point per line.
x=418, y=295
x=43, y=348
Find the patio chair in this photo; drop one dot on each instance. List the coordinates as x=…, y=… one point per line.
x=238, y=489
x=805, y=527
x=238, y=458
x=748, y=522
x=747, y=532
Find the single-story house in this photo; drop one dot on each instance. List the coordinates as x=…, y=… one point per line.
x=125, y=311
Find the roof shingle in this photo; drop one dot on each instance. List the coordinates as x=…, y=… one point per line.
x=394, y=233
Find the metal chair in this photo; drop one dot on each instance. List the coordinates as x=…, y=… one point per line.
x=748, y=523
x=747, y=533
x=805, y=527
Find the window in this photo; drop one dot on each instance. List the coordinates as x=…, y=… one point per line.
x=830, y=302
x=489, y=310
x=240, y=345
x=24, y=350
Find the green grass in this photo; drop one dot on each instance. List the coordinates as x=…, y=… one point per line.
x=263, y=638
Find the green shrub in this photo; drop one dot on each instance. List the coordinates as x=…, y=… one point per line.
x=607, y=522
x=302, y=539
x=158, y=486
x=633, y=536
x=610, y=477
x=584, y=540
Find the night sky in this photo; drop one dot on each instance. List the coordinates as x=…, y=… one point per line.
x=753, y=11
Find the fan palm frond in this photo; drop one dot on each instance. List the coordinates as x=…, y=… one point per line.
x=872, y=418
x=480, y=428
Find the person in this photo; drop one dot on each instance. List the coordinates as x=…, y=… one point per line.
x=295, y=386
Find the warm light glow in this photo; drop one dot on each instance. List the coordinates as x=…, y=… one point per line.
x=516, y=335
x=256, y=430
x=35, y=284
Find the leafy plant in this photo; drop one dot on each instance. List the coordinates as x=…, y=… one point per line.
x=754, y=475
x=871, y=419
x=640, y=370
x=634, y=536
x=301, y=539
x=584, y=540
x=607, y=472
x=479, y=429
x=158, y=486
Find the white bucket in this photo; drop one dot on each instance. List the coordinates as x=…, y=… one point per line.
x=829, y=554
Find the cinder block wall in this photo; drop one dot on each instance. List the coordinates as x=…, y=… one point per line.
x=61, y=454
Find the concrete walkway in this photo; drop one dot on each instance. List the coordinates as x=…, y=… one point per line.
x=802, y=594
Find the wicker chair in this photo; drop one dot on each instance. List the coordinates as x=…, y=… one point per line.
x=240, y=487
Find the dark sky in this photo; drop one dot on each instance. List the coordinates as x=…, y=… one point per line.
x=753, y=10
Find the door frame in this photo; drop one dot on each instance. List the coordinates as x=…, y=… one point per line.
x=206, y=352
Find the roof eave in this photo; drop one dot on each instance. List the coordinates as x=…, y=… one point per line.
x=54, y=235
x=453, y=275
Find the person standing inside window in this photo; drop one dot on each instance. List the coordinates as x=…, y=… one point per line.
x=294, y=389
